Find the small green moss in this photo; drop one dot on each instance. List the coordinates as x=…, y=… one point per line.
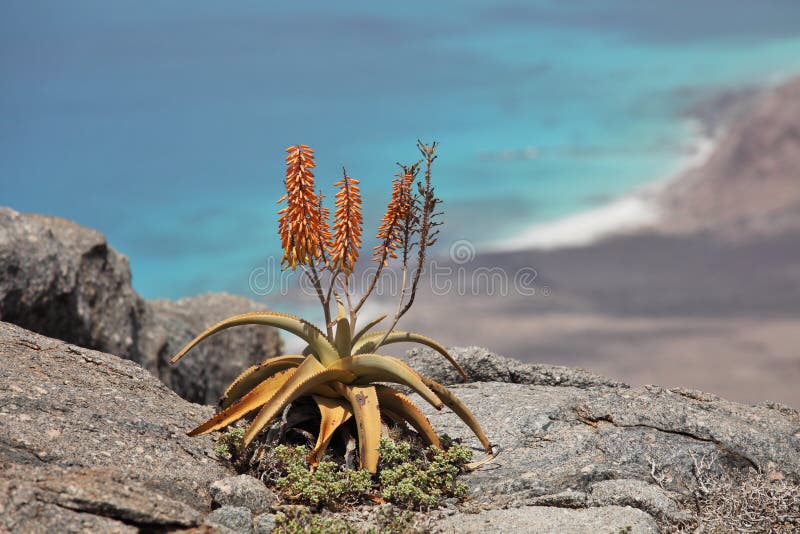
x=411, y=477
x=329, y=485
x=386, y=519
x=421, y=481
x=229, y=442
x=389, y=519
x=304, y=522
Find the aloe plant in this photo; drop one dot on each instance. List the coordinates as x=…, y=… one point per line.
x=341, y=368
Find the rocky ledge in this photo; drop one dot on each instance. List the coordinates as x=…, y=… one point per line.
x=578, y=442
x=91, y=442
x=63, y=280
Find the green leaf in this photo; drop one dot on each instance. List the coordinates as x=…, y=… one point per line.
x=259, y=396
x=369, y=343
x=366, y=411
x=367, y=327
x=460, y=409
x=252, y=376
x=397, y=404
x=342, y=340
x=295, y=325
x=370, y=368
x=309, y=375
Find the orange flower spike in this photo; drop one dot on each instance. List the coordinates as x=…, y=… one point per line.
x=390, y=231
x=347, y=225
x=325, y=239
x=300, y=221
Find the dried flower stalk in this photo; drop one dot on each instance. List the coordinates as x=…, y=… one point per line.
x=390, y=232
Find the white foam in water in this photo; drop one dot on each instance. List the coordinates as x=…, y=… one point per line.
x=623, y=215
x=636, y=211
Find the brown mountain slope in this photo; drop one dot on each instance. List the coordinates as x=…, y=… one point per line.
x=751, y=184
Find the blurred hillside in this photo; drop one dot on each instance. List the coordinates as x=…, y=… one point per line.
x=708, y=298
x=751, y=184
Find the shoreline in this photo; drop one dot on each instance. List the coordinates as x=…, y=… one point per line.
x=707, y=297
x=642, y=209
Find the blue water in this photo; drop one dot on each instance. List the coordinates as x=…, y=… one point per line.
x=163, y=125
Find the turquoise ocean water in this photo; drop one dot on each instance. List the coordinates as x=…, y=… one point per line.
x=163, y=125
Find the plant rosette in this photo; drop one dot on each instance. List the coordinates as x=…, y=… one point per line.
x=341, y=370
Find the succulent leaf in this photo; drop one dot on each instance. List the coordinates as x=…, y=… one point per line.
x=326, y=390
x=369, y=343
x=461, y=410
x=370, y=368
x=295, y=325
x=401, y=406
x=260, y=395
x=343, y=334
x=252, y=376
x=364, y=403
x=333, y=413
x=308, y=376
x=367, y=327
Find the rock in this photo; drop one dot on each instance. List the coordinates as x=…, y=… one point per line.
x=547, y=519
x=481, y=365
x=755, y=436
x=243, y=491
x=638, y=494
x=64, y=281
x=236, y=518
x=264, y=523
x=565, y=499
x=89, y=441
x=557, y=443
x=99, y=496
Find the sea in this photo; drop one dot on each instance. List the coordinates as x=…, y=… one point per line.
x=163, y=125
